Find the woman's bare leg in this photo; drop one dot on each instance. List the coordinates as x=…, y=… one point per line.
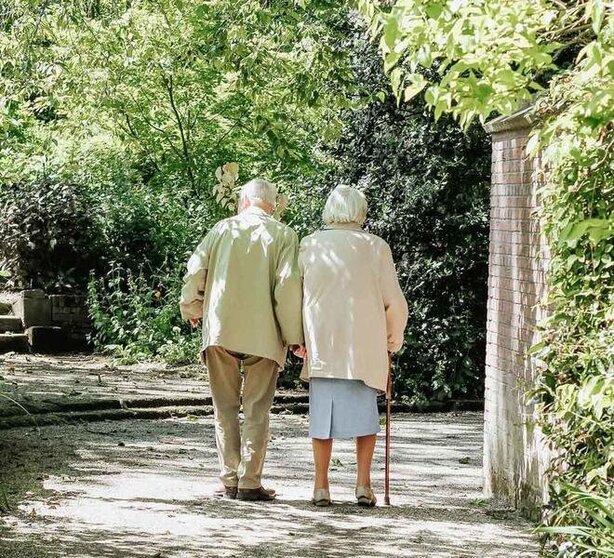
x=322, y=450
x=365, y=446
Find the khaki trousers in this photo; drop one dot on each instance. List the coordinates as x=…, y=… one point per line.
x=241, y=456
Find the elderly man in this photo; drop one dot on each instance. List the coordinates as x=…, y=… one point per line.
x=243, y=281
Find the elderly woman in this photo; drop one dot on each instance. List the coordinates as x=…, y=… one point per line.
x=354, y=315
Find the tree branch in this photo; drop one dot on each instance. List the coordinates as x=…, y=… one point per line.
x=168, y=83
x=129, y=129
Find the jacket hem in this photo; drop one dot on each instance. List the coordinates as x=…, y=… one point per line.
x=203, y=358
x=306, y=376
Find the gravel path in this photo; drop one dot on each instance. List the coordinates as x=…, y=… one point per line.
x=142, y=488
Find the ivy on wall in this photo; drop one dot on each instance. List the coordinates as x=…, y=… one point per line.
x=576, y=383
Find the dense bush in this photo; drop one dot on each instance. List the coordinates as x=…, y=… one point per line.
x=428, y=188
x=49, y=236
x=136, y=317
x=134, y=300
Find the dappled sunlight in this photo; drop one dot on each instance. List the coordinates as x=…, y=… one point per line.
x=51, y=383
x=147, y=491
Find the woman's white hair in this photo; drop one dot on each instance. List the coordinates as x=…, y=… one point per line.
x=345, y=205
x=259, y=190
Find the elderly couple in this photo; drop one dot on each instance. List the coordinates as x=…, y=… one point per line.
x=336, y=303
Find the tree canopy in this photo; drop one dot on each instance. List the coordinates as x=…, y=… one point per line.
x=181, y=86
x=490, y=56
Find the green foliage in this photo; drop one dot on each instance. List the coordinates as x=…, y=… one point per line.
x=183, y=86
x=428, y=188
x=489, y=56
x=49, y=238
x=136, y=317
x=593, y=516
x=138, y=104
x=576, y=385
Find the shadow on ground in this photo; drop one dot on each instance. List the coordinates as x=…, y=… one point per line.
x=45, y=383
x=143, y=488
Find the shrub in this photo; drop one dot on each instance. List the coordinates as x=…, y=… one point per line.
x=146, y=230
x=48, y=235
x=136, y=317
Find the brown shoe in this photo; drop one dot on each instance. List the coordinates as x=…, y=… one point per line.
x=256, y=494
x=224, y=491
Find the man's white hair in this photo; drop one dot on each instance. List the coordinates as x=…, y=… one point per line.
x=259, y=190
x=345, y=205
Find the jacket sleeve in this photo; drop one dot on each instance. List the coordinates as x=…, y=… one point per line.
x=395, y=304
x=288, y=291
x=193, y=291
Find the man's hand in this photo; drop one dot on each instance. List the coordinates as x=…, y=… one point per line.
x=299, y=351
x=195, y=322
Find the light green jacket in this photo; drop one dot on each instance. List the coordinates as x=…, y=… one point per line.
x=243, y=281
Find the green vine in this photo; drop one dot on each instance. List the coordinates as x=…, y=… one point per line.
x=488, y=58
x=576, y=384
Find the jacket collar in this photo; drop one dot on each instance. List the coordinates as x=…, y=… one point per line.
x=255, y=210
x=344, y=226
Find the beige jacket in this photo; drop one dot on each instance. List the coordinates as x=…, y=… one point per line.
x=354, y=311
x=243, y=281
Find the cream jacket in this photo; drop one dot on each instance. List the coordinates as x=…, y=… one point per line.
x=243, y=281
x=354, y=311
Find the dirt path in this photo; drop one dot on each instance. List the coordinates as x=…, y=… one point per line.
x=143, y=489
x=43, y=390
x=44, y=383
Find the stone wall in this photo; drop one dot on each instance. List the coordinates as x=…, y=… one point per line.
x=70, y=313
x=47, y=323
x=514, y=455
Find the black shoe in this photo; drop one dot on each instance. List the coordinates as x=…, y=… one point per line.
x=256, y=494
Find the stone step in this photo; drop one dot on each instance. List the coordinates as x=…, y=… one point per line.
x=47, y=339
x=6, y=308
x=10, y=324
x=17, y=342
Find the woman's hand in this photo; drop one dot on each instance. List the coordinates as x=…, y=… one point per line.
x=300, y=351
x=195, y=322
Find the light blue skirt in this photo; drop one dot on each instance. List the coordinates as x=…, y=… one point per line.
x=342, y=409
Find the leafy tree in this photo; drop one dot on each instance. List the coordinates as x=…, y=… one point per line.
x=134, y=105
x=186, y=85
x=487, y=57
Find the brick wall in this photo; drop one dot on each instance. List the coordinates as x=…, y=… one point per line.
x=514, y=456
x=70, y=312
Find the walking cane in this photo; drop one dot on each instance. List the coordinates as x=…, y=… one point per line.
x=387, y=462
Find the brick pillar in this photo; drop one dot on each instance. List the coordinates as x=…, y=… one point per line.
x=514, y=455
